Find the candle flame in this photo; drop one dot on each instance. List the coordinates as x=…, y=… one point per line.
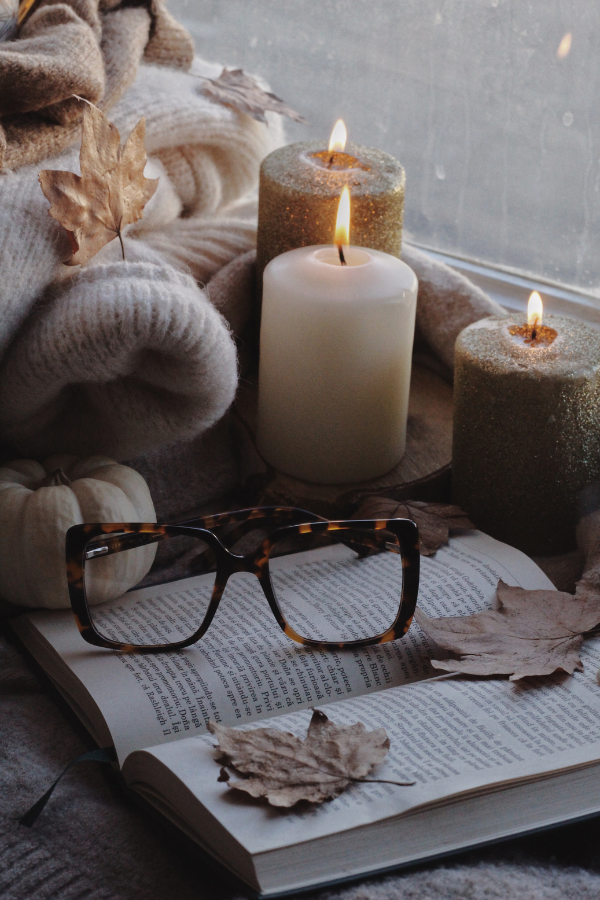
x=337, y=141
x=535, y=309
x=565, y=46
x=342, y=223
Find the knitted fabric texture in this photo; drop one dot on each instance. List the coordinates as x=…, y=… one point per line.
x=447, y=302
x=195, y=477
x=91, y=48
x=124, y=359
x=232, y=291
x=88, y=383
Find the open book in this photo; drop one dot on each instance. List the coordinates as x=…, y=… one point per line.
x=489, y=758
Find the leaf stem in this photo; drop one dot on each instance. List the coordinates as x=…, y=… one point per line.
x=121, y=242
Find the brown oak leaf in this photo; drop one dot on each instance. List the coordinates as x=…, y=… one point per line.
x=111, y=191
x=285, y=769
x=235, y=89
x=435, y=521
x=530, y=633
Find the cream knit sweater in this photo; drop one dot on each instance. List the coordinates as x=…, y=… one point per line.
x=123, y=357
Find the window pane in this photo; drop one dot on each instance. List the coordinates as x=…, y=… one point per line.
x=498, y=131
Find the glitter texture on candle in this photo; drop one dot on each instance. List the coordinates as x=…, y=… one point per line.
x=526, y=430
x=299, y=195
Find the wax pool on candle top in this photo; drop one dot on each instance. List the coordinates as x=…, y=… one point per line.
x=335, y=362
x=526, y=429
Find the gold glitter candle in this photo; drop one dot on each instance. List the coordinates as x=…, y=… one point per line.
x=300, y=187
x=526, y=428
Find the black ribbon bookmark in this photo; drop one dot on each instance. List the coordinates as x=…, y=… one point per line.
x=101, y=756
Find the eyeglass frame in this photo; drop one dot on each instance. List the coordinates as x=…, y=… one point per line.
x=228, y=563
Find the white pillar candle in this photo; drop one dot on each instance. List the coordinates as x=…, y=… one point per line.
x=335, y=362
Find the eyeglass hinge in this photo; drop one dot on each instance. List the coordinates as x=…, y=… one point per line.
x=90, y=554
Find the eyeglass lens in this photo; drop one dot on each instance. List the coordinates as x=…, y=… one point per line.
x=155, y=589
x=332, y=594
x=140, y=596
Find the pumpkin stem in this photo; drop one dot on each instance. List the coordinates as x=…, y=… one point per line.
x=55, y=479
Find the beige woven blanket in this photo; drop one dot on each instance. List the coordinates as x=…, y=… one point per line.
x=90, y=48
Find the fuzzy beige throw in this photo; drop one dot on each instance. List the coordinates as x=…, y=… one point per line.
x=91, y=48
x=124, y=359
x=130, y=356
x=446, y=303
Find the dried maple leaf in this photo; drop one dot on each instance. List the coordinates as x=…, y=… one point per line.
x=530, y=633
x=435, y=521
x=235, y=89
x=111, y=191
x=25, y=7
x=284, y=769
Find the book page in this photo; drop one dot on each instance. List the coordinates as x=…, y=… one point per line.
x=245, y=669
x=449, y=736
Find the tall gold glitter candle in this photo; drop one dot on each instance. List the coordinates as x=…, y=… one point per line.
x=300, y=187
x=526, y=428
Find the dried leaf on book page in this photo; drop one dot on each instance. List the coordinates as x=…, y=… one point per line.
x=235, y=89
x=284, y=769
x=435, y=521
x=111, y=191
x=530, y=633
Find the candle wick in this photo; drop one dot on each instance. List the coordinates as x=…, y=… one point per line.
x=331, y=160
x=534, y=330
x=341, y=252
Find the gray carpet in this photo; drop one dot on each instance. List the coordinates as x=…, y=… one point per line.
x=91, y=843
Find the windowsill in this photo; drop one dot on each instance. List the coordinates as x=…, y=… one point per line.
x=512, y=291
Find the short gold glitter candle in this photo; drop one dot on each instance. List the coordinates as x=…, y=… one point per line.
x=300, y=187
x=526, y=428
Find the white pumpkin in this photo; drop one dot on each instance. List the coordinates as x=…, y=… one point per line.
x=38, y=503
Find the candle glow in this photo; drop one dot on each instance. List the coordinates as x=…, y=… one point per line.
x=337, y=141
x=534, y=334
x=564, y=47
x=342, y=222
x=535, y=309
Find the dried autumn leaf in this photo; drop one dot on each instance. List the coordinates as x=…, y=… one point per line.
x=284, y=769
x=235, y=89
x=25, y=7
x=530, y=633
x=435, y=521
x=111, y=191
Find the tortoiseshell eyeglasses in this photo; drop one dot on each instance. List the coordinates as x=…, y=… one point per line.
x=149, y=587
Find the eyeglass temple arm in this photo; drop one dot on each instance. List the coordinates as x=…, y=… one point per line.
x=115, y=544
x=118, y=543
